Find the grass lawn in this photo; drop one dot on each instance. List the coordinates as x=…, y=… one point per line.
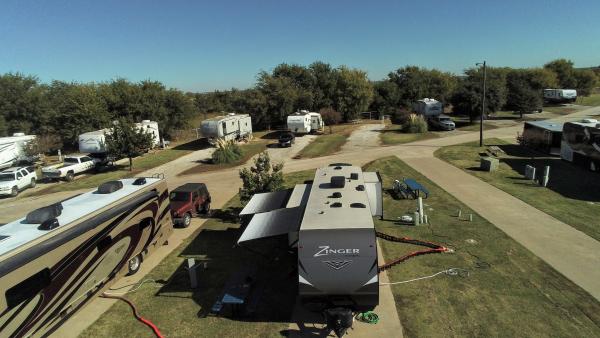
x=560, y=110
x=512, y=294
x=328, y=143
x=140, y=164
x=463, y=123
x=592, y=100
x=393, y=134
x=572, y=195
x=249, y=150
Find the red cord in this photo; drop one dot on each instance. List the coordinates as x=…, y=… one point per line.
x=135, y=313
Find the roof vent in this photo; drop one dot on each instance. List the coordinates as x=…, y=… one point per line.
x=354, y=176
x=336, y=195
x=39, y=216
x=49, y=224
x=340, y=164
x=110, y=187
x=336, y=205
x=338, y=181
x=337, y=168
x=360, y=187
x=357, y=205
x=139, y=181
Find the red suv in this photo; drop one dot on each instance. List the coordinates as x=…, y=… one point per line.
x=187, y=200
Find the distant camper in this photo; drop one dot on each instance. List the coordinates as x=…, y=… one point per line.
x=94, y=142
x=581, y=143
x=228, y=127
x=428, y=107
x=560, y=95
x=12, y=149
x=305, y=122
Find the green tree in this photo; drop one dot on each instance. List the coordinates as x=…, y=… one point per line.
x=2, y=126
x=414, y=83
x=282, y=97
x=323, y=90
x=564, y=71
x=23, y=105
x=586, y=81
x=467, y=97
x=522, y=94
x=353, y=94
x=262, y=177
x=126, y=140
x=386, y=97
x=330, y=117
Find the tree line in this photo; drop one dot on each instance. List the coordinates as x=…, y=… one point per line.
x=66, y=109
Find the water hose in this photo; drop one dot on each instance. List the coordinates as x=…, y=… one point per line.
x=136, y=315
x=369, y=317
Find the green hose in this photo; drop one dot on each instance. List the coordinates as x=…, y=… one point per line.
x=368, y=317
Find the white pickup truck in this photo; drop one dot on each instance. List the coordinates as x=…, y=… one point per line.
x=15, y=179
x=71, y=166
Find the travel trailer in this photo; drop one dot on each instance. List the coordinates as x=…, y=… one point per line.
x=581, y=143
x=304, y=122
x=58, y=257
x=228, y=127
x=330, y=222
x=428, y=107
x=12, y=149
x=94, y=142
x=560, y=95
x=543, y=136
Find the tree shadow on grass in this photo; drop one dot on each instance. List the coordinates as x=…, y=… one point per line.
x=199, y=144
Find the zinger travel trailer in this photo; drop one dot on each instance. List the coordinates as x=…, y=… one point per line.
x=229, y=127
x=581, y=143
x=330, y=222
x=560, y=95
x=58, y=257
x=12, y=149
x=94, y=142
x=304, y=122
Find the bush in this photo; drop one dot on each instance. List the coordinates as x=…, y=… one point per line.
x=400, y=116
x=263, y=177
x=415, y=124
x=226, y=152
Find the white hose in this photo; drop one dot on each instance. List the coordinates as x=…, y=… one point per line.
x=450, y=272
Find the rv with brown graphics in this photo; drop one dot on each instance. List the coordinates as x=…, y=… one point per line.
x=58, y=257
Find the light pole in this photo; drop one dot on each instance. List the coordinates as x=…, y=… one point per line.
x=482, y=106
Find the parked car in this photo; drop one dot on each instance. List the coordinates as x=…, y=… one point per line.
x=16, y=179
x=187, y=200
x=71, y=166
x=286, y=139
x=442, y=122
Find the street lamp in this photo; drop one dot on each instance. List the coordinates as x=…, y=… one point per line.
x=482, y=105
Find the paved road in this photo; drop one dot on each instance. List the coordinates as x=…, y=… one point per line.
x=364, y=138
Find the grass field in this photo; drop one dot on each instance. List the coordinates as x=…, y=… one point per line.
x=393, y=134
x=509, y=292
x=328, y=143
x=592, y=100
x=249, y=150
x=573, y=193
x=462, y=123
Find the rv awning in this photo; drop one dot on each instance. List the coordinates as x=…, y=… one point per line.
x=266, y=202
x=273, y=223
x=299, y=196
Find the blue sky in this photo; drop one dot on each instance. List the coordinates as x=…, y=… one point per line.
x=206, y=45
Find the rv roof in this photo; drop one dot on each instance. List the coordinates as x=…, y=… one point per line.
x=551, y=126
x=19, y=233
x=319, y=212
x=587, y=123
x=224, y=117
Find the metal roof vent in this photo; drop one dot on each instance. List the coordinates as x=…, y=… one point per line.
x=110, y=187
x=50, y=224
x=338, y=181
x=340, y=164
x=139, y=181
x=336, y=205
x=39, y=216
x=354, y=176
x=357, y=205
x=337, y=168
x=336, y=195
x=360, y=187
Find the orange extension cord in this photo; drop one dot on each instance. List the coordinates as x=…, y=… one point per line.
x=135, y=313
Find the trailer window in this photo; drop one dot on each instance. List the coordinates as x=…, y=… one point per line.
x=28, y=288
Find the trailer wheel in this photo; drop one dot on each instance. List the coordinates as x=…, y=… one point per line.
x=134, y=265
x=187, y=219
x=70, y=176
x=32, y=184
x=14, y=192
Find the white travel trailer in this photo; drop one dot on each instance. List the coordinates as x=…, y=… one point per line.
x=228, y=127
x=94, y=142
x=581, y=143
x=428, y=107
x=560, y=95
x=12, y=149
x=304, y=122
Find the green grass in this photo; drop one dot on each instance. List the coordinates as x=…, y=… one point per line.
x=393, y=134
x=328, y=143
x=592, y=100
x=181, y=312
x=573, y=193
x=560, y=110
x=518, y=295
x=248, y=151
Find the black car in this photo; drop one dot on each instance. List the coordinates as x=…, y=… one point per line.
x=286, y=139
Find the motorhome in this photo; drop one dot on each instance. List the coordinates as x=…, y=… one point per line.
x=432, y=111
x=330, y=222
x=58, y=257
x=560, y=95
x=94, y=142
x=581, y=143
x=304, y=122
x=12, y=149
x=228, y=127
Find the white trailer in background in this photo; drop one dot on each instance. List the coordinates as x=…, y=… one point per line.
x=228, y=127
x=560, y=95
x=94, y=142
x=432, y=111
x=304, y=122
x=12, y=149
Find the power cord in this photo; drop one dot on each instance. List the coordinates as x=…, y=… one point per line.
x=450, y=272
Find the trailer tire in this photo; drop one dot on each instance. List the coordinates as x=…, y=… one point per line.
x=134, y=264
x=33, y=183
x=14, y=192
x=70, y=176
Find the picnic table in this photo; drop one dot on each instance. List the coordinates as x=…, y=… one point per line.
x=236, y=291
x=416, y=188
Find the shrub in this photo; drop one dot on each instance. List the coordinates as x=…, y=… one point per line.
x=400, y=116
x=330, y=117
x=263, y=177
x=415, y=124
x=226, y=152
